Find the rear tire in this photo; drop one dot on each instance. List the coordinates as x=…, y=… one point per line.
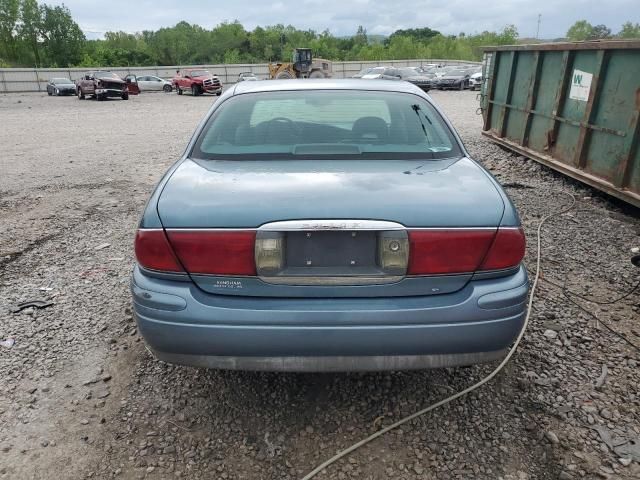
x=195, y=90
x=125, y=96
x=80, y=94
x=167, y=88
x=48, y=91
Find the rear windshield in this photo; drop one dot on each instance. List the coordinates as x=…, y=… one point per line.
x=325, y=124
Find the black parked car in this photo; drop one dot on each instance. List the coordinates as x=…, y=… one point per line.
x=421, y=80
x=61, y=86
x=455, y=79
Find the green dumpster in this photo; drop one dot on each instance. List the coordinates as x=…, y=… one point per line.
x=574, y=107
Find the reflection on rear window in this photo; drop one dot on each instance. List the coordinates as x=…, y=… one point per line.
x=343, y=114
x=343, y=123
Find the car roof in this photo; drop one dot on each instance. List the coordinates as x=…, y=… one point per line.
x=325, y=84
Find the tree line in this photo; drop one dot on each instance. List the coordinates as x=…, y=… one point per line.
x=33, y=34
x=583, y=30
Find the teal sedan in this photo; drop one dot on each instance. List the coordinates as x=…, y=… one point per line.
x=328, y=225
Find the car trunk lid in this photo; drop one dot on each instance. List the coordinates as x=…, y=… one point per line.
x=333, y=217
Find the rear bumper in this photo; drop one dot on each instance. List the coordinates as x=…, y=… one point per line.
x=331, y=363
x=182, y=324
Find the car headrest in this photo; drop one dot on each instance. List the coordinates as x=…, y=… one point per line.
x=372, y=128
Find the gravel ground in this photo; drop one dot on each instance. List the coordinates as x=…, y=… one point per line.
x=80, y=396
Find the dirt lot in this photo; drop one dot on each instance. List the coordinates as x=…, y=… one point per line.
x=80, y=396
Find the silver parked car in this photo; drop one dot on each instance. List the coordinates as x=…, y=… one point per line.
x=247, y=77
x=152, y=83
x=328, y=226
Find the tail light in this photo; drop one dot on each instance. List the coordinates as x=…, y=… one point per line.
x=454, y=251
x=154, y=252
x=507, y=249
x=239, y=252
x=215, y=252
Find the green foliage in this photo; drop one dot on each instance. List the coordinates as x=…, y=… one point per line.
x=30, y=26
x=418, y=34
x=61, y=37
x=583, y=30
x=38, y=34
x=579, y=31
x=629, y=30
x=9, y=14
x=33, y=34
x=599, y=32
x=43, y=35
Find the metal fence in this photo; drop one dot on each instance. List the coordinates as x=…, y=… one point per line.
x=13, y=80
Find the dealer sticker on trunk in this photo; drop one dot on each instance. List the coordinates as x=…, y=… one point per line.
x=580, y=85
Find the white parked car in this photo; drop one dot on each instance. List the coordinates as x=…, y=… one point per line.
x=475, y=81
x=151, y=82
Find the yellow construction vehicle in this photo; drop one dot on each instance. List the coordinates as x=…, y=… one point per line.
x=302, y=66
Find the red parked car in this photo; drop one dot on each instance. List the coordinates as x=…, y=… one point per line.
x=102, y=85
x=198, y=81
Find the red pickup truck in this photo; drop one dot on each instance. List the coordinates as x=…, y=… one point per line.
x=198, y=81
x=102, y=85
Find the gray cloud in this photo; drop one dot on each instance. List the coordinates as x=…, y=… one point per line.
x=343, y=17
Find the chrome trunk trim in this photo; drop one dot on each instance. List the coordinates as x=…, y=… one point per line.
x=292, y=225
x=329, y=281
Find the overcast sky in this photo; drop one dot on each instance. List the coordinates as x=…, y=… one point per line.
x=342, y=17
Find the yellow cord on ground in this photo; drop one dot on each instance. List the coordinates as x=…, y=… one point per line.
x=506, y=359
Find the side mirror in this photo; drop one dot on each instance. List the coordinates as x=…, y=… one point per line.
x=128, y=80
